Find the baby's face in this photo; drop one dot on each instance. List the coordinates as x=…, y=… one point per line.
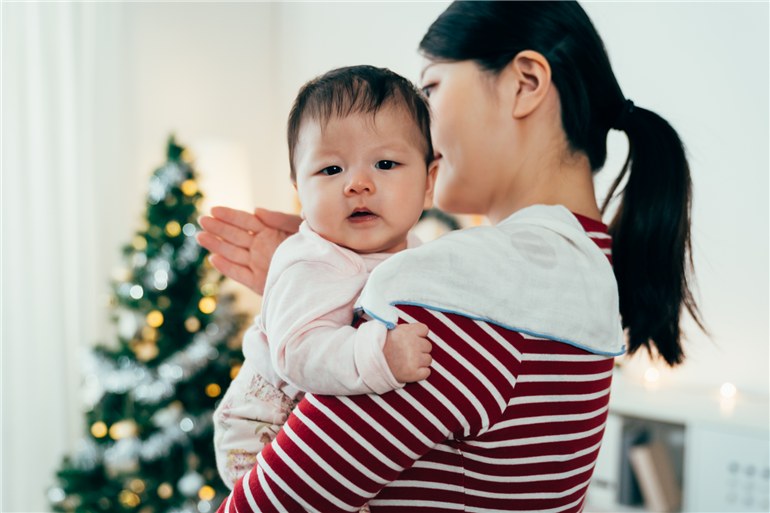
x=363, y=181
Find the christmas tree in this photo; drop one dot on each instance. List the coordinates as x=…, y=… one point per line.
x=150, y=395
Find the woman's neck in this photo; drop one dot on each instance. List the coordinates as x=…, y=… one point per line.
x=568, y=182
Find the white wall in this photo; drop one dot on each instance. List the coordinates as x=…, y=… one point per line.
x=222, y=76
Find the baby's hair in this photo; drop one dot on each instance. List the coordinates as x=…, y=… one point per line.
x=353, y=90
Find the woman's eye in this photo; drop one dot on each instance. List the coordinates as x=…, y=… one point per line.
x=385, y=164
x=331, y=170
x=426, y=89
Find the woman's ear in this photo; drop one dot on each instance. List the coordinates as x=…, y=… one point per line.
x=531, y=73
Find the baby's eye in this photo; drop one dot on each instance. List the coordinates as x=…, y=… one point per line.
x=385, y=164
x=331, y=170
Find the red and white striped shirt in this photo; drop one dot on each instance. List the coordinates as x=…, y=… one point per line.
x=505, y=422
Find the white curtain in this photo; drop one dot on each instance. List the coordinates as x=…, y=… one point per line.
x=58, y=91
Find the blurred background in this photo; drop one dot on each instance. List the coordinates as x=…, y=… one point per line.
x=92, y=91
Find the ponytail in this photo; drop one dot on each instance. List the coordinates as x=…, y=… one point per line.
x=651, y=250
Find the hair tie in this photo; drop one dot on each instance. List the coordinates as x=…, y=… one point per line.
x=621, y=122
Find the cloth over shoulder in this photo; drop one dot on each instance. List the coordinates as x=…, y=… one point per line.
x=536, y=272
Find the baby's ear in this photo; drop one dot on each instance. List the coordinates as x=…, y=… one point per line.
x=430, y=184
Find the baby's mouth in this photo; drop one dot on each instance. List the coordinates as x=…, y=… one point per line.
x=362, y=214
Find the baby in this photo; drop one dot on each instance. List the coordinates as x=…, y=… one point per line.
x=360, y=154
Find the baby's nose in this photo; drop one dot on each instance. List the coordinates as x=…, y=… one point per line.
x=359, y=182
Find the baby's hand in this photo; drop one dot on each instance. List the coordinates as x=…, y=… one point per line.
x=407, y=351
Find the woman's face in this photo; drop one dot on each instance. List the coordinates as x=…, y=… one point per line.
x=470, y=123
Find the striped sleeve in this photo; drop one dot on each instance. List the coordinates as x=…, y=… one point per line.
x=336, y=453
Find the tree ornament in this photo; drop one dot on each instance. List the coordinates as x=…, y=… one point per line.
x=122, y=458
x=128, y=324
x=190, y=483
x=123, y=429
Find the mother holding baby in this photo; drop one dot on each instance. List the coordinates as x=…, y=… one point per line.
x=526, y=315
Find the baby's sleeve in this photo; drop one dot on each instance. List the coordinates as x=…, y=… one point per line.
x=312, y=343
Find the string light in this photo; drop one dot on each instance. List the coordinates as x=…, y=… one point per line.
x=145, y=350
x=155, y=319
x=234, y=370
x=165, y=491
x=149, y=334
x=129, y=499
x=173, y=228
x=728, y=390
x=207, y=493
x=189, y=187
x=122, y=429
x=139, y=243
x=136, y=292
x=136, y=485
x=99, y=429
x=192, y=324
x=213, y=390
x=651, y=375
x=207, y=305
x=209, y=289
x=163, y=302
x=171, y=201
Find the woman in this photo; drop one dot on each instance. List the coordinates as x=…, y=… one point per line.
x=523, y=314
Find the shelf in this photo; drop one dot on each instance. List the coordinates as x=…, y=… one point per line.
x=681, y=404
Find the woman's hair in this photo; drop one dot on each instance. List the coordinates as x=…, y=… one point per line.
x=651, y=230
x=353, y=90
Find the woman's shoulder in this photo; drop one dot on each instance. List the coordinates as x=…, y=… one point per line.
x=539, y=272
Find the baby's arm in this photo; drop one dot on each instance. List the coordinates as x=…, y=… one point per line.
x=307, y=319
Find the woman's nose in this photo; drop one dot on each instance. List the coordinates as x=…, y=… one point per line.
x=359, y=181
